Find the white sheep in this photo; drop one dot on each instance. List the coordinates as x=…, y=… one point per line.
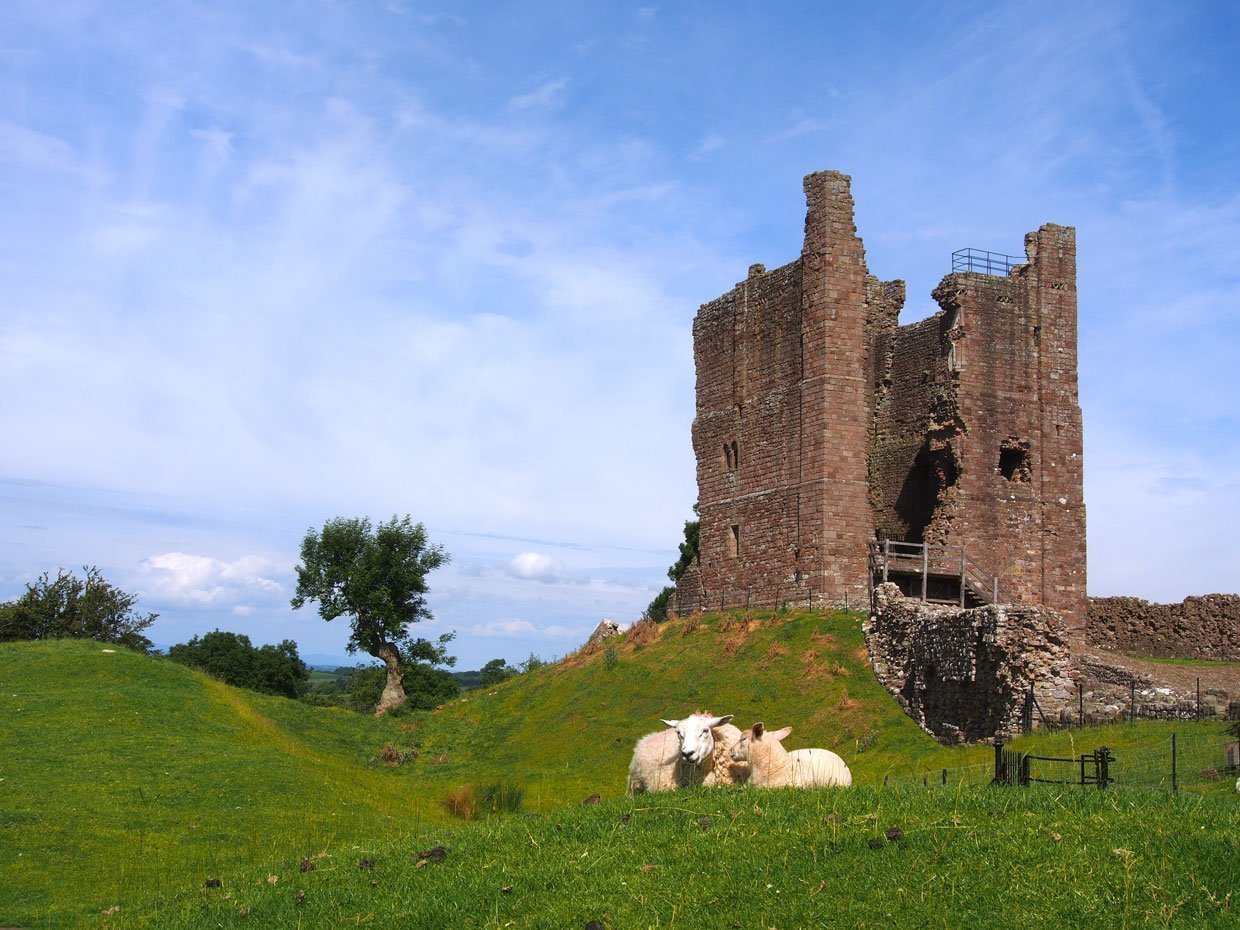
x=693, y=751
x=772, y=766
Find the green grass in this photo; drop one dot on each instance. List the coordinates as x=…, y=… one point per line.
x=118, y=769
x=127, y=781
x=745, y=858
x=1192, y=663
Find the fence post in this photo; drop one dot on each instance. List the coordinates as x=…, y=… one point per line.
x=925, y=568
x=995, y=598
x=886, y=557
x=1104, y=767
x=999, y=769
x=1026, y=770
x=945, y=776
x=1174, y=786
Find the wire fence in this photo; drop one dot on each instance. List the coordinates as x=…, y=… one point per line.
x=779, y=597
x=1182, y=760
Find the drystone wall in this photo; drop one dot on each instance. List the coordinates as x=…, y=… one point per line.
x=964, y=675
x=1205, y=627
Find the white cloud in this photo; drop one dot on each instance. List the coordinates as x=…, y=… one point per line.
x=27, y=148
x=513, y=628
x=711, y=143
x=202, y=581
x=547, y=95
x=534, y=566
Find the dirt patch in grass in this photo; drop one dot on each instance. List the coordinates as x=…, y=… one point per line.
x=643, y=633
x=825, y=641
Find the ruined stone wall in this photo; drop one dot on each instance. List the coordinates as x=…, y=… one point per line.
x=964, y=675
x=915, y=383
x=977, y=436
x=822, y=424
x=746, y=434
x=1200, y=627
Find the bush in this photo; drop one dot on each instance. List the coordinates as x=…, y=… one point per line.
x=611, y=658
x=71, y=607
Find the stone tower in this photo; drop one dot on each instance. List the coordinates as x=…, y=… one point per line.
x=823, y=426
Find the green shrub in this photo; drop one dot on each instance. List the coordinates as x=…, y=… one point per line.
x=500, y=799
x=611, y=658
x=73, y=608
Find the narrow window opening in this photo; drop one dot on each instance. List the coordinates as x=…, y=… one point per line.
x=727, y=457
x=736, y=456
x=1014, y=462
x=734, y=541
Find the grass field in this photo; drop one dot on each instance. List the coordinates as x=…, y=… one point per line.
x=127, y=781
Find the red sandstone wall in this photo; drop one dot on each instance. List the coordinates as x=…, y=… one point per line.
x=843, y=423
x=747, y=347
x=1201, y=627
x=837, y=393
x=915, y=375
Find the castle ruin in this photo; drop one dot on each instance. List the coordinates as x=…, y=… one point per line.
x=836, y=448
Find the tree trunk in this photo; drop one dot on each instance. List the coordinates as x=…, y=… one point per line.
x=394, y=690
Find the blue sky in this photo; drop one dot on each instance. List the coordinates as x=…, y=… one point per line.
x=266, y=264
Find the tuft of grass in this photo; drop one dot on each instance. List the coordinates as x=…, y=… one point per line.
x=461, y=802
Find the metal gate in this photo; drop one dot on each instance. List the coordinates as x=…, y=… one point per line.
x=1022, y=768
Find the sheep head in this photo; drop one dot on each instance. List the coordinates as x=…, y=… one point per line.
x=756, y=735
x=697, y=742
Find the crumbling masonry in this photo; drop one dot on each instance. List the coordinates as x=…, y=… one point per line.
x=824, y=427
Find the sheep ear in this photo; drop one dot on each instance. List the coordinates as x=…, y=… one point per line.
x=757, y=730
x=781, y=734
x=671, y=723
x=720, y=721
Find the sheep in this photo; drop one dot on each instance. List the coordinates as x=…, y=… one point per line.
x=772, y=766
x=693, y=751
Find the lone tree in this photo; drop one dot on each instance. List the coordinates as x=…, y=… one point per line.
x=377, y=577
x=86, y=608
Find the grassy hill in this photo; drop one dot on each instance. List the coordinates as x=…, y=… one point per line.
x=128, y=781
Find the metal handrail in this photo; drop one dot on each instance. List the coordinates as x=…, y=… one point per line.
x=981, y=261
x=984, y=584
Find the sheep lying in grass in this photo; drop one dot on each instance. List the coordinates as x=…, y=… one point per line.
x=772, y=766
x=693, y=751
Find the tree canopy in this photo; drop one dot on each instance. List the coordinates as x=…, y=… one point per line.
x=232, y=659
x=87, y=608
x=376, y=576
x=657, y=610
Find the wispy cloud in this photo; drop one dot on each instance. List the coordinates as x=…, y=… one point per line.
x=550, y=94
x=513, y=628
